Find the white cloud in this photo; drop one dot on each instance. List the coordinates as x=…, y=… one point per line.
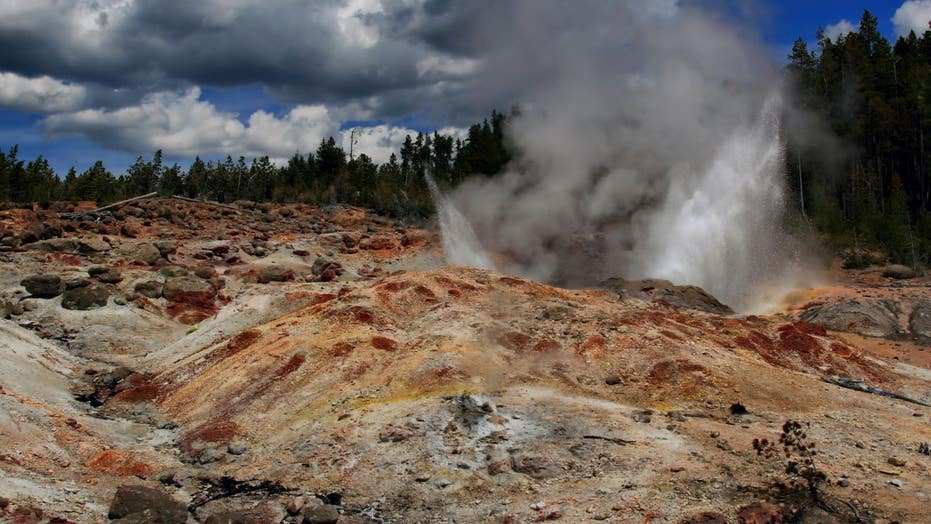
x=39, y=95
x=913, y=15
x=183, y=125
x=841, y=28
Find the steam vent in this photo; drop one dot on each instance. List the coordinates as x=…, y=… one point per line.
x=370, y=261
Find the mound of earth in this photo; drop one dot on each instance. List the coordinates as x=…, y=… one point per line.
x=664, y=291
x=297, y=364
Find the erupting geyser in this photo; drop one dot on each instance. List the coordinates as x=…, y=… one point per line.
x=460, y=244
x=656, y=153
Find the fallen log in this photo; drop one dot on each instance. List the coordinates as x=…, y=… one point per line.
x=110, y=206
x=208, y=202
x=859, y=385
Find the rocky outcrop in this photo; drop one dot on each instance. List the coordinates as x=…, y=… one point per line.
x=862, y=317
x=920, y=320
x=664, y=291
x=142, y=504
x=91, y=296
x=43, y=286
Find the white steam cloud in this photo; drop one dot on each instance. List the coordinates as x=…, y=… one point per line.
x=648, y=145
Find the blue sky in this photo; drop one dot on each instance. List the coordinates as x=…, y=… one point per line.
x=105, y=106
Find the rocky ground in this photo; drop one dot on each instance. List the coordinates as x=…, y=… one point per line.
x=175, y=361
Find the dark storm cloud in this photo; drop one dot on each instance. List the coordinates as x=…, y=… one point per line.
x=303, y=51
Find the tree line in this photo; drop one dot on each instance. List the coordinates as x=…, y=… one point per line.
x=326, y=176
x=871, y=189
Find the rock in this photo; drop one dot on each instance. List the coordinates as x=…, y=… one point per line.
x=274, y=273
x=87, y=297
x=705, y=517
x=612, y=380
x=189, y=290
x=43, y=286
x=664, y=291
x=870, y=319
x=237, y=447
x=896, y=461
x=129, y=231
x=165, y=247
x=920, y=320
x=377, y=243
x=896, y=482
x=759, y=513
x=295, y=505
x=55, y=245
x=74, y=283
x=150, y=288
x=174, y=271
x=144, y=253
x=106, y=275
x=206, y=272
x=394, y=434
x=209, y=455
x=92, y=245
x=644, y=417
x=536, y=467
x=320, y=514
x=899, y=272
x=130, y=500
x=320, y=265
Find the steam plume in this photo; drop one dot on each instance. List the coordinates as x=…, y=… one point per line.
x=648, y=145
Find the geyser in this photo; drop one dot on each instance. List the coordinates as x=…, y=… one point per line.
x=647, y=145
x=460, y=245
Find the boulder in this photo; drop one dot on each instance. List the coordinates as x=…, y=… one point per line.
x=43, y=286
x=55, y=245
x=93, y=245
x=899, y=272
x=274, y=273
x=205, y=272
x=150, y=288
x=920, y=320
x=133, y=500
x=320, y=514
x=174, y=271
x=106, y=275
x=664, y=291
x=166, y=247
x=190, y=290
x=144, y=253
x=86, y=297
x=864, y=318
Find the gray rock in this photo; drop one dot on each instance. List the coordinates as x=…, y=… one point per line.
x=655, y=290
x=155, y=505
x=864, y=318
x=274, y=273
x=143, y=252
x=174, y=271
x=899, y=272
x=87, y=297
x=150, y=288
x=320, y=514
x=920, y=320
x=166, y=247
x=53, y=245
x=92, y=245
x=536, y=467
x=43, y=286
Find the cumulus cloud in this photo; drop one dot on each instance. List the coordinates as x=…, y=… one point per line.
x=332, y=52
x=913, y=15
x=841, y=28
x=43, y=94
x=182, y=124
